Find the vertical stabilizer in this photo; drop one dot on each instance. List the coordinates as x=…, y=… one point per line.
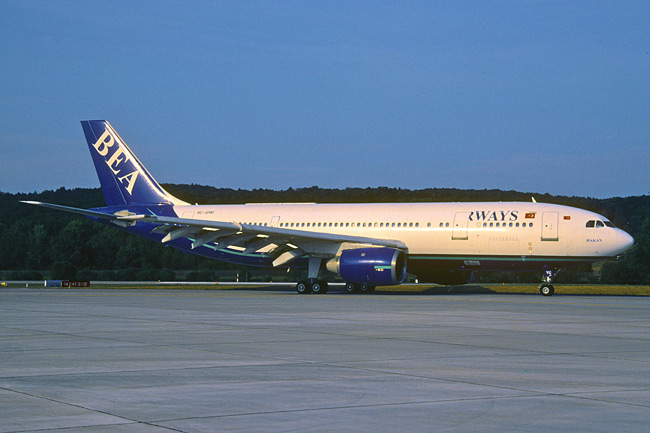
x=123, y=178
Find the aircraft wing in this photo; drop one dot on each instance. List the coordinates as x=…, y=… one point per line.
x=284, y=244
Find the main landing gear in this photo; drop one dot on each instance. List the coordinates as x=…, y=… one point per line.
x=546, y=288
x=312, y=285
x=351, y=287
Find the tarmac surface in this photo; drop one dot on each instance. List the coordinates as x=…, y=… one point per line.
x=100, y=360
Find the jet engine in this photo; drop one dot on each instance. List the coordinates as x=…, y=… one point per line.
x=373, y=266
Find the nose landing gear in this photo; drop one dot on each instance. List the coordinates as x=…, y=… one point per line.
x=546, y=288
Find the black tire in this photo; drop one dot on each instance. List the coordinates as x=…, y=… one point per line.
x=303, y=288
x=317, y=287
x=351, y=287
x=364, y=288
x=546, y=290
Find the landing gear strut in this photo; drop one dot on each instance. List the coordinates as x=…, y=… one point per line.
x=546, y=288
x=313, y=284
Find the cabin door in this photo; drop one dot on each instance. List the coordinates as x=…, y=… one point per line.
x=549, y=226
x=461, y=221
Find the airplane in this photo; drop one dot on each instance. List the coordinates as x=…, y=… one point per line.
x=367, y=245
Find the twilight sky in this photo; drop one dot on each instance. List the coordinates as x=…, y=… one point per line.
x=536, y=96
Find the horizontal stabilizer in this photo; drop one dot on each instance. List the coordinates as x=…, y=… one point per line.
x=86, y=212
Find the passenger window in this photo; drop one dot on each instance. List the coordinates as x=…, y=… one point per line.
x=523, y=224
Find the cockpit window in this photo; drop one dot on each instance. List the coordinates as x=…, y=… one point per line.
x=598, y=224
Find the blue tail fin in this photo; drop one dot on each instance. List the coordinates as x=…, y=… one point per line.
x=123, y=178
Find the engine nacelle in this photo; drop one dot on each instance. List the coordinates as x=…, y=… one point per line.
x=373, y=266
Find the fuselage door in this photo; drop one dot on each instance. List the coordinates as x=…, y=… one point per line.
x=461, y=221
x=549, y=226
x=275, y=221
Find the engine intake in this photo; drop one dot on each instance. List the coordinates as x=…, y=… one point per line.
x=373, y=266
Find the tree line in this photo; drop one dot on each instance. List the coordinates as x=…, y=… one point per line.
x=37, y=243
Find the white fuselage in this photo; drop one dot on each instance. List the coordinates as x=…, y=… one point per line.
x=458, y=229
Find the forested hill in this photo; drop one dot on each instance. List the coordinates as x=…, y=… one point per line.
x=39, y=242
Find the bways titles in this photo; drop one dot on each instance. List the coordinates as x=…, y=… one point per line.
x=501, y=215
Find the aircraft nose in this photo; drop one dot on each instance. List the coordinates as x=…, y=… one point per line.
x=625, y=241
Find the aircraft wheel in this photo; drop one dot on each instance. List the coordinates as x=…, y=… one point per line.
x=317, y=287
x=546, y=290
x=303, y=288
x=365, y=288
x=351, y=287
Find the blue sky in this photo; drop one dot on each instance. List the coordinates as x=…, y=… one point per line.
x=535, y=96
